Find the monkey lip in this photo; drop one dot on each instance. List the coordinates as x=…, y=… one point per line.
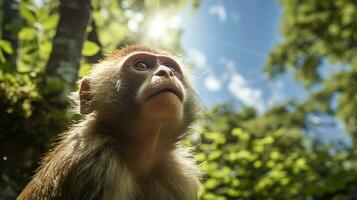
x=171, y=89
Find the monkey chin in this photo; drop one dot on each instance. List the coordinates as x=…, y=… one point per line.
x=163, y=106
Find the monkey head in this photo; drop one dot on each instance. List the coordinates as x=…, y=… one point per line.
x=138, y=86
x=162, y=94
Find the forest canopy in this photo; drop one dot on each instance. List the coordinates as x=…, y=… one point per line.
x=46, y=46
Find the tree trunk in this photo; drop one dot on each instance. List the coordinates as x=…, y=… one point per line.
x=10, y=29
x=64, y=61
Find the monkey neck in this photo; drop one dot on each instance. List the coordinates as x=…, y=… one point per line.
x=142, y=143
x=142, y=155
x=139, y=142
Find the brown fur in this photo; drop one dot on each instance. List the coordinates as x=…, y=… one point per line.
x=92, y=160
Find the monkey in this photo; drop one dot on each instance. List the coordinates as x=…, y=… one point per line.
x=138, y=104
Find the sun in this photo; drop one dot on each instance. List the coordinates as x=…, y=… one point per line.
x=161, y=27
x=158, y=27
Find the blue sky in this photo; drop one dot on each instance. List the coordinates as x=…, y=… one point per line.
x=229, y=42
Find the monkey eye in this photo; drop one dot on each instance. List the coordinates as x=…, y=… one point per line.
x=141, y=66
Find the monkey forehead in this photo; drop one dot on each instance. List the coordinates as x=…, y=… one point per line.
x=161, y=57
x=149, y=54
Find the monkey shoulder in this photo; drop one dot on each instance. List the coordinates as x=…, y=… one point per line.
x=86, y=178
x=74, y=169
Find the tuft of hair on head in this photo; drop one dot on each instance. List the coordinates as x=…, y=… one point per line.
x=128, y=49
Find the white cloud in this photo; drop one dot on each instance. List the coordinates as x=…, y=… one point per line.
x=197, y=57
x=239, y=87
x=219, y=11
x=229, y=64
x=212, y=83
x=276, y=89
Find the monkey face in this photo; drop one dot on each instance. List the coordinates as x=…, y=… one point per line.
x=161, y=94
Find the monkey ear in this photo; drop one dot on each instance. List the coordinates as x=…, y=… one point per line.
x=85, y=96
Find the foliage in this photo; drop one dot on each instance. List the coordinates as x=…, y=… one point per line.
x=28, y=124
x=317, y=34
x=315, y=30
x=277, y=164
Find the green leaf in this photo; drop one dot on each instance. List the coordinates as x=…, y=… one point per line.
x=6, y=46
x=50, y=22
x=26, y=12
x=27, y=33
x=84, y=70
x=211, y=183
x=23, y=67
x=90, y=48
x=2, y=58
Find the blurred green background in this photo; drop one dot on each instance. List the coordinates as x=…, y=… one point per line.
x=46, y=45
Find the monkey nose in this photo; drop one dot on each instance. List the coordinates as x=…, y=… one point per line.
x=164, y=71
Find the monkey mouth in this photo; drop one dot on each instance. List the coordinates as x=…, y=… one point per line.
x=173, y=90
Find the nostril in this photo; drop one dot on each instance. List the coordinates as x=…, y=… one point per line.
x=161, y=73
x=164, y=72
